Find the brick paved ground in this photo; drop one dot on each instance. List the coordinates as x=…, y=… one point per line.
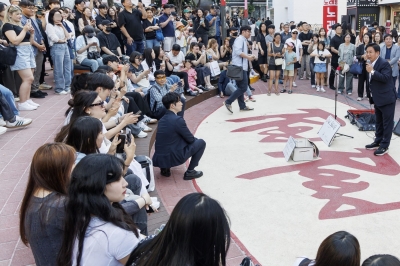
x=18, y=146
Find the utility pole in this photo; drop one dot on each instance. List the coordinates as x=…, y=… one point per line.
x=223, y=20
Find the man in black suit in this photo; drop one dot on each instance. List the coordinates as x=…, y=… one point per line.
x=383, y=96
x=175, y=144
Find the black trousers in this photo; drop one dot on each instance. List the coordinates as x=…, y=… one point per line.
x=361, y=82
x=384, y=124
x=332, y=75
x=184, y=76
x=195, y=150
x=140, y=103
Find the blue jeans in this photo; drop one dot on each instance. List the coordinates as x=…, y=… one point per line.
x=152, y=43
x=9, y=97
x=135, y=46
x=62, y=66
x=93, y=64
x=242, y=86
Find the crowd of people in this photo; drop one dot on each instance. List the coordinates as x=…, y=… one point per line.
x=86, y=201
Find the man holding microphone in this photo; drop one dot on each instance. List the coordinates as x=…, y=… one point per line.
x=382, y=93
x=241, y=58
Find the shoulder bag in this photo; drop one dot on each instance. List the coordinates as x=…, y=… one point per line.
x=91, y=55
x=278, y=61
x=235, y=72
x=159, y=34
x=8, y=55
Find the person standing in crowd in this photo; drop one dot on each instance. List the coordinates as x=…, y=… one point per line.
x=130, y=22
x=58, y=39
x=21, y=38
x=79, y=7
x=38, y=46
x=241, y=58
x=150, y=25
x=298, y=48
x=166, y=23
x=360, y=38
x=383, y=96
x=347, y=51
x=312, y=47
x=305, y=37
x=290, y=58
x=86, y=19
x=214, y=25
x=391, y=53
x=46, y=196
x=94, y=219
x=275, y=51
x=323, y=38
x=378, y=38
x=285, y=33
x=180, y=36
x=320, y=55
x=201, y=27
x=112, y=12
x=336, y=41
x=175, y=144
x=85, y=44
x=262, y=51
x=103, y=10
x=361, y=55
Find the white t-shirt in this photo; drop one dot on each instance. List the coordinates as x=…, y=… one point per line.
x=105, y=244
x=80, y=42
x=253, y=26
x=319, y=53
x=297, y=45
x=182, y=40
x=176, y=60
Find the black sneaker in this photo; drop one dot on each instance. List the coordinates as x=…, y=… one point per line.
x=192, y=174
x=372, y=146
x=332, y=88
x=42, y=93
x=229, y=107
x=166, y=172
x=247, y=109
x=36, y=94
x=381, y=151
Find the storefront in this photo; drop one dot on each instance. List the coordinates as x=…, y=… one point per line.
x=362, y=13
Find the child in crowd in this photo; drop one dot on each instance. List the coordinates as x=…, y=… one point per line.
x=192, y=76
x=191, y=38
x=320, y=54
x=181, y=36
x=290, y=60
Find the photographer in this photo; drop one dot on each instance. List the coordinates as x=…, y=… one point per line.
x=88, y=49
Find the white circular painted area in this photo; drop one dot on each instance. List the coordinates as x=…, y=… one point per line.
x=280, y=210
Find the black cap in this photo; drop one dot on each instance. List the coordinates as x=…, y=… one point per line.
x=105, y=22
x=168, y=6
x=88, y=29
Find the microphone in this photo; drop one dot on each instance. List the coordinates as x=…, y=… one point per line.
x=368, y=61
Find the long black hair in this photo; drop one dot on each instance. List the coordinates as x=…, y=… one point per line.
x=78, y=105
x=82, y=134
x=147, y=56
x=86, y=199
x=196, y=234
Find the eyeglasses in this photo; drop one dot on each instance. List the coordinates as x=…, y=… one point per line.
x=161, y=77
x=97, y=104
x=138, y=58
x=295, y=32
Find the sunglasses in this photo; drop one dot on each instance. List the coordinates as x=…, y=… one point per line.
x=295, y=33
x=97, y=104
x=161, y=77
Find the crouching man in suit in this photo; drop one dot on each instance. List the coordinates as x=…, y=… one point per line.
x=381, y=88
x=175, y=144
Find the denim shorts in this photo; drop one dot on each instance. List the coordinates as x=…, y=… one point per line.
x=25, y=58
x=320, y=68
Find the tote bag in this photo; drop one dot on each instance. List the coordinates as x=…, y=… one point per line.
x=214, y=67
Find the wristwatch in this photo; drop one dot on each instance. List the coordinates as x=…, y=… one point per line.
x=372, y=72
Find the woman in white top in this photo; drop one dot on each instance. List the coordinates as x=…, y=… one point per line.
x=97, y=230
x=320, y=55
x=340, y=248
x=85, y=44
x=58, y=38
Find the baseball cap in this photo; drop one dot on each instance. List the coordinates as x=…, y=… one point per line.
x=290, y=44
x=168, y=6
x=295, y=30
x=105, y=22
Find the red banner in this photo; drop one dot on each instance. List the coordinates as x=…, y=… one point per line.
x=330, y=15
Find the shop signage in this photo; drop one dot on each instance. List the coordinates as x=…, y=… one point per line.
x=330, y=13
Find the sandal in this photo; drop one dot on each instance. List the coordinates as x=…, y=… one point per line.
x=290, y=91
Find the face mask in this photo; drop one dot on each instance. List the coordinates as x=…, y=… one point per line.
x=90, y=35
x=108, y=29
x=234, y=34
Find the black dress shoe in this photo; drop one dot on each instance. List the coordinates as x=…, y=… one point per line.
x=372, y=146
x=36, y=94
x=166, y=172
x=42, y=93
x=332, y=88
x=192, y=174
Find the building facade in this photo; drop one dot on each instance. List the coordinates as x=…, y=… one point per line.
x=362, y=13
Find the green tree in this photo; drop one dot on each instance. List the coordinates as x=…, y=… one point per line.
x=250, y=9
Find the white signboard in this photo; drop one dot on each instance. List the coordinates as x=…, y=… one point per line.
x=328, y=130
x=289, y=147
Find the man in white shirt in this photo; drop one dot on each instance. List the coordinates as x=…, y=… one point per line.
x=176, y=57
x=298, y=49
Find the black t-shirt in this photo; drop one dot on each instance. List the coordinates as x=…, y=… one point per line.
x=78, y=15
x=261, y=39
x=231, y=41
x=17, y=29
x=100, y=18
x=305, y=37
x=192, y=56
x=152, y=34
x=157, y=62
x=108, y=40
x=132, y=22
x=335, y=43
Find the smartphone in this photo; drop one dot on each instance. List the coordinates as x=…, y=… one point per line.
x=120, y=146
x=138, y=112
x=180, y=84
x=128, y=136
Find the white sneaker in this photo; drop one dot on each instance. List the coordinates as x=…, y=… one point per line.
x=322, y=89
x=318, y=88
x=294, y=84
x=32, y=103
x=19, y=122
x=144, y=127
x=16, y=99
x=2, y=122
x=149, y=120
x=349, y=93
x=359, y=99
x=142, y=135
x=312, y=86
x=25, y=106
x=62, y=93
x=3, y=130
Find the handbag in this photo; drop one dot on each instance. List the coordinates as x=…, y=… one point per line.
x=235, y=72
x=159, y=34
x=278, y=61
x=8, y=55
x=92, y=55
x=214, y=67
x=356, y=68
